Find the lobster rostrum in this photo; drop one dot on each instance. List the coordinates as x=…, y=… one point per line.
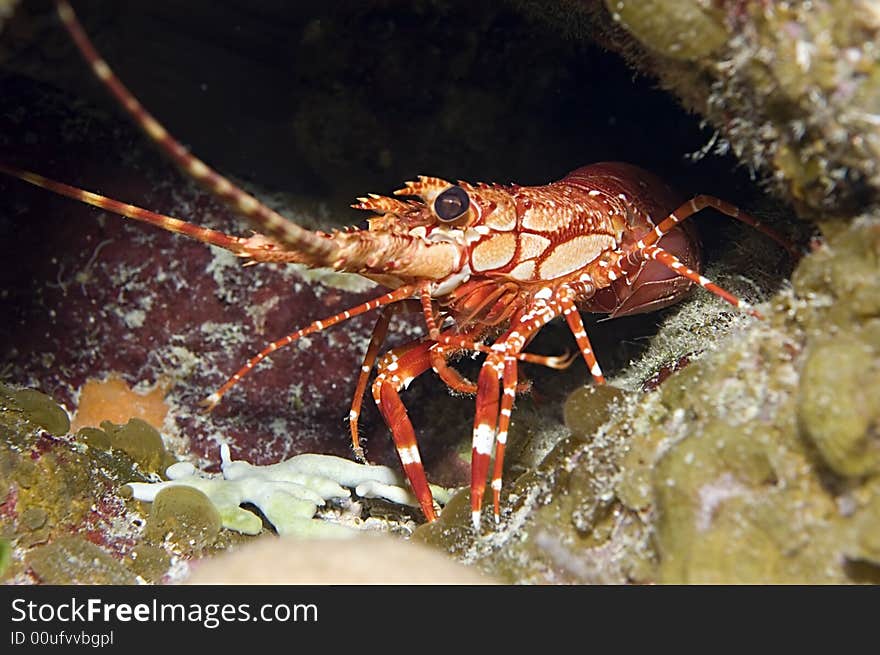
x=487, y=266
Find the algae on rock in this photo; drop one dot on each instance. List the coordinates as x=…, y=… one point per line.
x=60, y=489
x=792, y=88
x=287, y=494
x=74, y=560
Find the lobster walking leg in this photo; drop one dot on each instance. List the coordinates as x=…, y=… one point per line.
x=700, y=202
x=493, y=414
x=672, y=262
x=394, y=296
x=508, y=394
x=380, y=331
x=576, y=325
x=448, y=343
x=396, y=370
x=440, y=361
x=449, y=375
x=485, y=426
x=400, y=366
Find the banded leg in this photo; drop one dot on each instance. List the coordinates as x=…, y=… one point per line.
x=508, y=394
x=485, y=426
x=450, y=343
x=450, y=377
x=700, y=202
x=397, y=295
x=489, y=419
x=380, y=331
x=440, y=355
x=576, y=325
x=672, y=262
x=397, y=369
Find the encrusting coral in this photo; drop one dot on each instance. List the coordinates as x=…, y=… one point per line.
x=287, y=493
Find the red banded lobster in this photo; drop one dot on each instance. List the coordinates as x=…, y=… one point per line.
x=487, y=266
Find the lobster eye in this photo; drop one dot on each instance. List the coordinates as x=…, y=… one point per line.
x=451, y=204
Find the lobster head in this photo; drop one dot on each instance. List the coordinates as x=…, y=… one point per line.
x=442, y=212
x=438, y=213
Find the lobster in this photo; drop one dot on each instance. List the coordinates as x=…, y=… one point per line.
x=486, y=265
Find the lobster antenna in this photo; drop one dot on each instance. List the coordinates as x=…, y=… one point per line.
x=285, y=230
x=237, y=245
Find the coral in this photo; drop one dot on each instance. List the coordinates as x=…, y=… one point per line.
x=40, y=409
x=287, y=493
x=844, y=426
x=55, y=485
x=184, y=515
x=680, y=29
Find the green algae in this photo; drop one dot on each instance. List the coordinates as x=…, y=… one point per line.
x=95, y=438
x=185, y=516
x=680, y=29
x=139, y=440
x=34, y=518
x=74, y=560
x=56, y=484
x=866, y=537
x=838, y=406
x=5, y=557
x=43, y=411
x=149, y=562
x=586, y=409
x=37, y=408
x=792, y=88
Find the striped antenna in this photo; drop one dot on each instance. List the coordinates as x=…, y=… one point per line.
x=237, y=245
x=288, y=232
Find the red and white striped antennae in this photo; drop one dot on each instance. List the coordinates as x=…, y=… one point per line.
x=236, y=245
x=285, y=230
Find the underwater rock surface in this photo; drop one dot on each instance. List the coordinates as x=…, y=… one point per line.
x=792, y=87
